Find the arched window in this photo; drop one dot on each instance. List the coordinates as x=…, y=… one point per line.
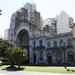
x=70, y=57
x=40, y=42
x=22, y=40
x=55, y=43
x=61, y=42
x=22, y=17
x=34, y=43
x=69, y=42
x=48, y=44
x=11, y=34
x=34, y=55
x=41, y=55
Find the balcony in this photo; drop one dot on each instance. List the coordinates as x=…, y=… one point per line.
x=34, y=48
x=38, y=47
x=54, y=48
x=71, y=24
x=70, y=46
x=59, y=47
x=51, y=48
x=41, y=47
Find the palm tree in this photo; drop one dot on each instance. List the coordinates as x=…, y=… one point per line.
x=16, y=55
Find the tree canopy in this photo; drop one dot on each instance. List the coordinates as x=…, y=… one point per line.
x=16, y=55
x=4, y=45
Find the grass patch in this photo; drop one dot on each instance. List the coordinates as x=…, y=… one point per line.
x=43, y=69
x=50, y=69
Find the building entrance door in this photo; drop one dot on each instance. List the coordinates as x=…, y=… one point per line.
x=71, y=59
x=22, y=41
x=49, y=59
x=34, y=58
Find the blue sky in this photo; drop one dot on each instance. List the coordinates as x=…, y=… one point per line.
x=47, y=8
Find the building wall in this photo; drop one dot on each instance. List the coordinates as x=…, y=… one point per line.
x=11, y=29
x=6, y=34
x=31, y=8
x=57, y=53
x=48, y=22
x=52, y=22
x=37, y=20
x=74, y=31
x=24, y=14
x=63, y=23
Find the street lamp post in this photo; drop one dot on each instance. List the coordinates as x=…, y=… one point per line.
x=64, y=46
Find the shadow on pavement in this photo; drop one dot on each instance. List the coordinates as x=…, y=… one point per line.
x=13, y=69
x=70, y=70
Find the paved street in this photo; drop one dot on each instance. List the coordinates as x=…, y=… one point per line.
x=3, y=72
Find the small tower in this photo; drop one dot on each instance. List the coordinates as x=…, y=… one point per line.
x=29, y=3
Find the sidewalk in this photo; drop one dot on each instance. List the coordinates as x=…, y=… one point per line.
x=3, y=72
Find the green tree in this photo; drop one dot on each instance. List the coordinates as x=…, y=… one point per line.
x=16, y=55
x=4, y=45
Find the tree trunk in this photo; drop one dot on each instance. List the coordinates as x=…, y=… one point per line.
x=12, y=65
x=18, y=66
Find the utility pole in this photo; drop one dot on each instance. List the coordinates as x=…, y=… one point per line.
x=64, y=47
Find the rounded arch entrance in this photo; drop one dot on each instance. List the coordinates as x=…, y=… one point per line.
x=34, y=58
x=22, y=40
x=50, y=59
x=70, y=57
x=49, y=56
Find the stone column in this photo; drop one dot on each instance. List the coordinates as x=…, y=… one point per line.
x=37, y=56
x=53, y=57
x=30, y=52
x=45, y=57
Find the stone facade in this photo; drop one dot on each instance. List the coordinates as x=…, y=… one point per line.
x=37, y=20
x=51, y=50
x=41, y=48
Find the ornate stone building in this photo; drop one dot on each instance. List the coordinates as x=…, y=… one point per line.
x=42, y=48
